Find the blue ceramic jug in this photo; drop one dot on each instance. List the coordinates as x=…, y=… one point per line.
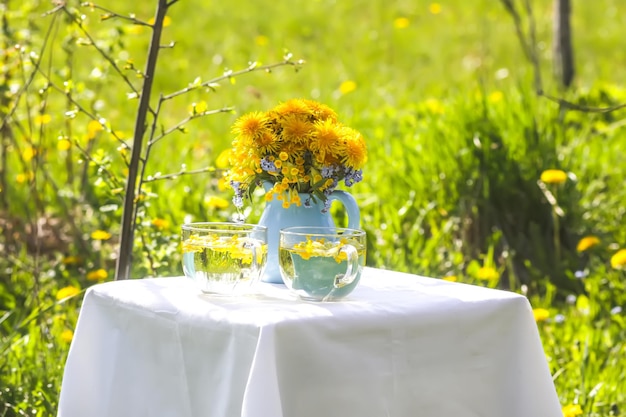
x=275, y=217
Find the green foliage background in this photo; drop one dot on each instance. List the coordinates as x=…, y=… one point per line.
x=457, y=142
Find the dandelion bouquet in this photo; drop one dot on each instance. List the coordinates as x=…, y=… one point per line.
x=298, y=147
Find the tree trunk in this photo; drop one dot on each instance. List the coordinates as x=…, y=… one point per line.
x=562, y=43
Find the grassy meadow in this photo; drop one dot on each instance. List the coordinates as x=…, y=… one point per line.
x=453, y=189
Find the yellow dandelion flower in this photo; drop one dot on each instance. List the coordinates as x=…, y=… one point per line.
x=42, y=119
x=261, y=40
x=93, y=128
x=572, y=410
x=296, y=129
x=160, y=224
x=100, y=235
x=434, y=8
x=134, y=29
x=586, y=243
x=487, y=273
x=71, y=260
x=293, y=107
x=434, y=106
x=29, y=153
x=495, y=97
x=354, y=150
x=347, y=87
x=67, y=335
x=553, y=176
x=540, y=314
x=266, y=142
x=250, y=125
x=25, y=177
x=215, y=202
x=401, y=23
x=320, y=111
x=66, y=292
x=64, y=144
x=326, y=138
x=283, y=156
x=450, y=278
x=618, y=260
x=97, y=275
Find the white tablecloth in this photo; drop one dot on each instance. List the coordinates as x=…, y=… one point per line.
x=401, y=345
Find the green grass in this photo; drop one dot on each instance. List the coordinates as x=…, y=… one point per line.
x=445, y=103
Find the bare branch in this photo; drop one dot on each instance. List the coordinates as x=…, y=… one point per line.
x=109, y=14
x=186, y=120
x=232, y=74
x=180, y=173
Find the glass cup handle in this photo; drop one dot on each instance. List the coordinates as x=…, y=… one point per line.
x=341, y=280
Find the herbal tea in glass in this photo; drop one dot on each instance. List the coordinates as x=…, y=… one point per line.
x=321, y=263
x=224, y=258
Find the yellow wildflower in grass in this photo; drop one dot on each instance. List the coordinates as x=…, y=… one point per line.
x=540, y=314
x=401, y=23
x=434, y=8
x=42, y=119
x=572, y=410
x=553, y=176
x=64, y=144
x=450, y=278
x=67, y=335
x=160, y=224
x=100, y=235
x=93, y=128
x=434, y=106
x=222, y=160
x=261, y=40
x=487, y=273
x=618, y=260
x=69, y=291
x=24, y=177
x=133, y=29
x=495, y=97
x=215, y=202
x=347, y=86
x=97, y=275
x=587, y=243
x=71, y=260
x=29, y=153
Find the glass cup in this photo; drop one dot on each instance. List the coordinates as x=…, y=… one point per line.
x=321, y=263
x=224, y=258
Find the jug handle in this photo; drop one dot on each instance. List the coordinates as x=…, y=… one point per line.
x=352, y=209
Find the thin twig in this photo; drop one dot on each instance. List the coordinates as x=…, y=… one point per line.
x=111, y=14
x=183, y=122
x=180, y=173
x=231, y=74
